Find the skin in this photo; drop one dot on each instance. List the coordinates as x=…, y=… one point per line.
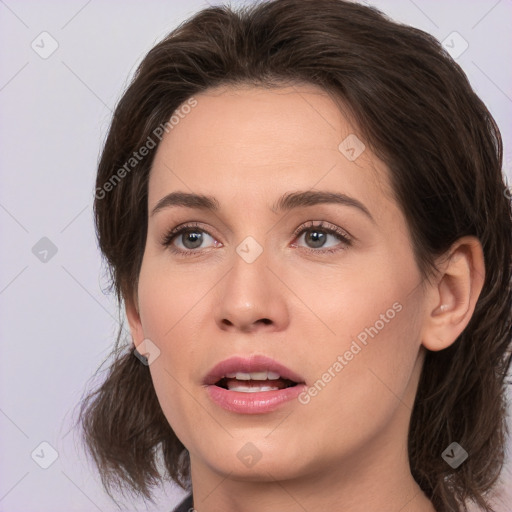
x=346, y=449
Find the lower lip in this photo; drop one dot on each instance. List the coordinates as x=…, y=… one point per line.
x=253, y=403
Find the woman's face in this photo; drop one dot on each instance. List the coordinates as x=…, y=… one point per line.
x=340, y=306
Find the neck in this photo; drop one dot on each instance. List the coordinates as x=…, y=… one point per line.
x=371, y=479
x=310, y=494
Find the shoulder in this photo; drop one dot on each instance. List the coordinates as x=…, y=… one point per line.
x=185, y=505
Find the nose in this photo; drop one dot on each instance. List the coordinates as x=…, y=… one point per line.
x=251, y=297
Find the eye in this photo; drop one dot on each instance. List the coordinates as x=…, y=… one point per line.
x=317, y=235
x=191, y=238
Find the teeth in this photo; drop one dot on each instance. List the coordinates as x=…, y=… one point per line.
x=254, y=389
x=253, y=376
x=258, y=375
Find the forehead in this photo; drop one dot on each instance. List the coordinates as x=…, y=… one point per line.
x=250, y=141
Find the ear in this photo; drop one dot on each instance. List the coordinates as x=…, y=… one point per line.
x=133, y=316
x=451, y=300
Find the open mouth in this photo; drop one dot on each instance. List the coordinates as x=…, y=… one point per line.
x=254, y=382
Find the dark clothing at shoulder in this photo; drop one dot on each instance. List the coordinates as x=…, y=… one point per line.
x=185, y=505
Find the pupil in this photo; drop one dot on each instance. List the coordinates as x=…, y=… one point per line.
x=196, y=239
x=317, y=237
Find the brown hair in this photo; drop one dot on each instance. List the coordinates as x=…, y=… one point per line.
x=418, y=113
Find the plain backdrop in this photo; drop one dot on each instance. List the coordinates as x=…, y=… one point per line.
x=63, y=67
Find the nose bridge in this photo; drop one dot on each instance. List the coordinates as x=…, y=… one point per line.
x=248, y=277
x=250, y=292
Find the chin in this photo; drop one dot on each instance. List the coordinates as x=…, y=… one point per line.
x=248, y=463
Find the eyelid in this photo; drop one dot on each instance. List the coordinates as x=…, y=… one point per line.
x=326, y=226
x=169, y=235
x=343, y=236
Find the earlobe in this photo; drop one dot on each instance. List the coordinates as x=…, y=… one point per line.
x=133, y=316
x=452, y=299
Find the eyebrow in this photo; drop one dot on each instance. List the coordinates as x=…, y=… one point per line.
x=286, y=202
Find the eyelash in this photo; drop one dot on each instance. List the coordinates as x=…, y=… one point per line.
x=194, y=227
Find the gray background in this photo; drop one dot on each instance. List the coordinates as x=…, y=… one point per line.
x=57, y=325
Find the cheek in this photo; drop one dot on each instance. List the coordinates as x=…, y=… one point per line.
x=370, y=296
x=170, y=303
x=167, y=295
x=371, y=388
x=170, y=306
x=370, y=324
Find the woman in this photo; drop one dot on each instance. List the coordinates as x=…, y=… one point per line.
x=304, y=215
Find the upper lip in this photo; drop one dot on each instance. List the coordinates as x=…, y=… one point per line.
x=255, y=363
